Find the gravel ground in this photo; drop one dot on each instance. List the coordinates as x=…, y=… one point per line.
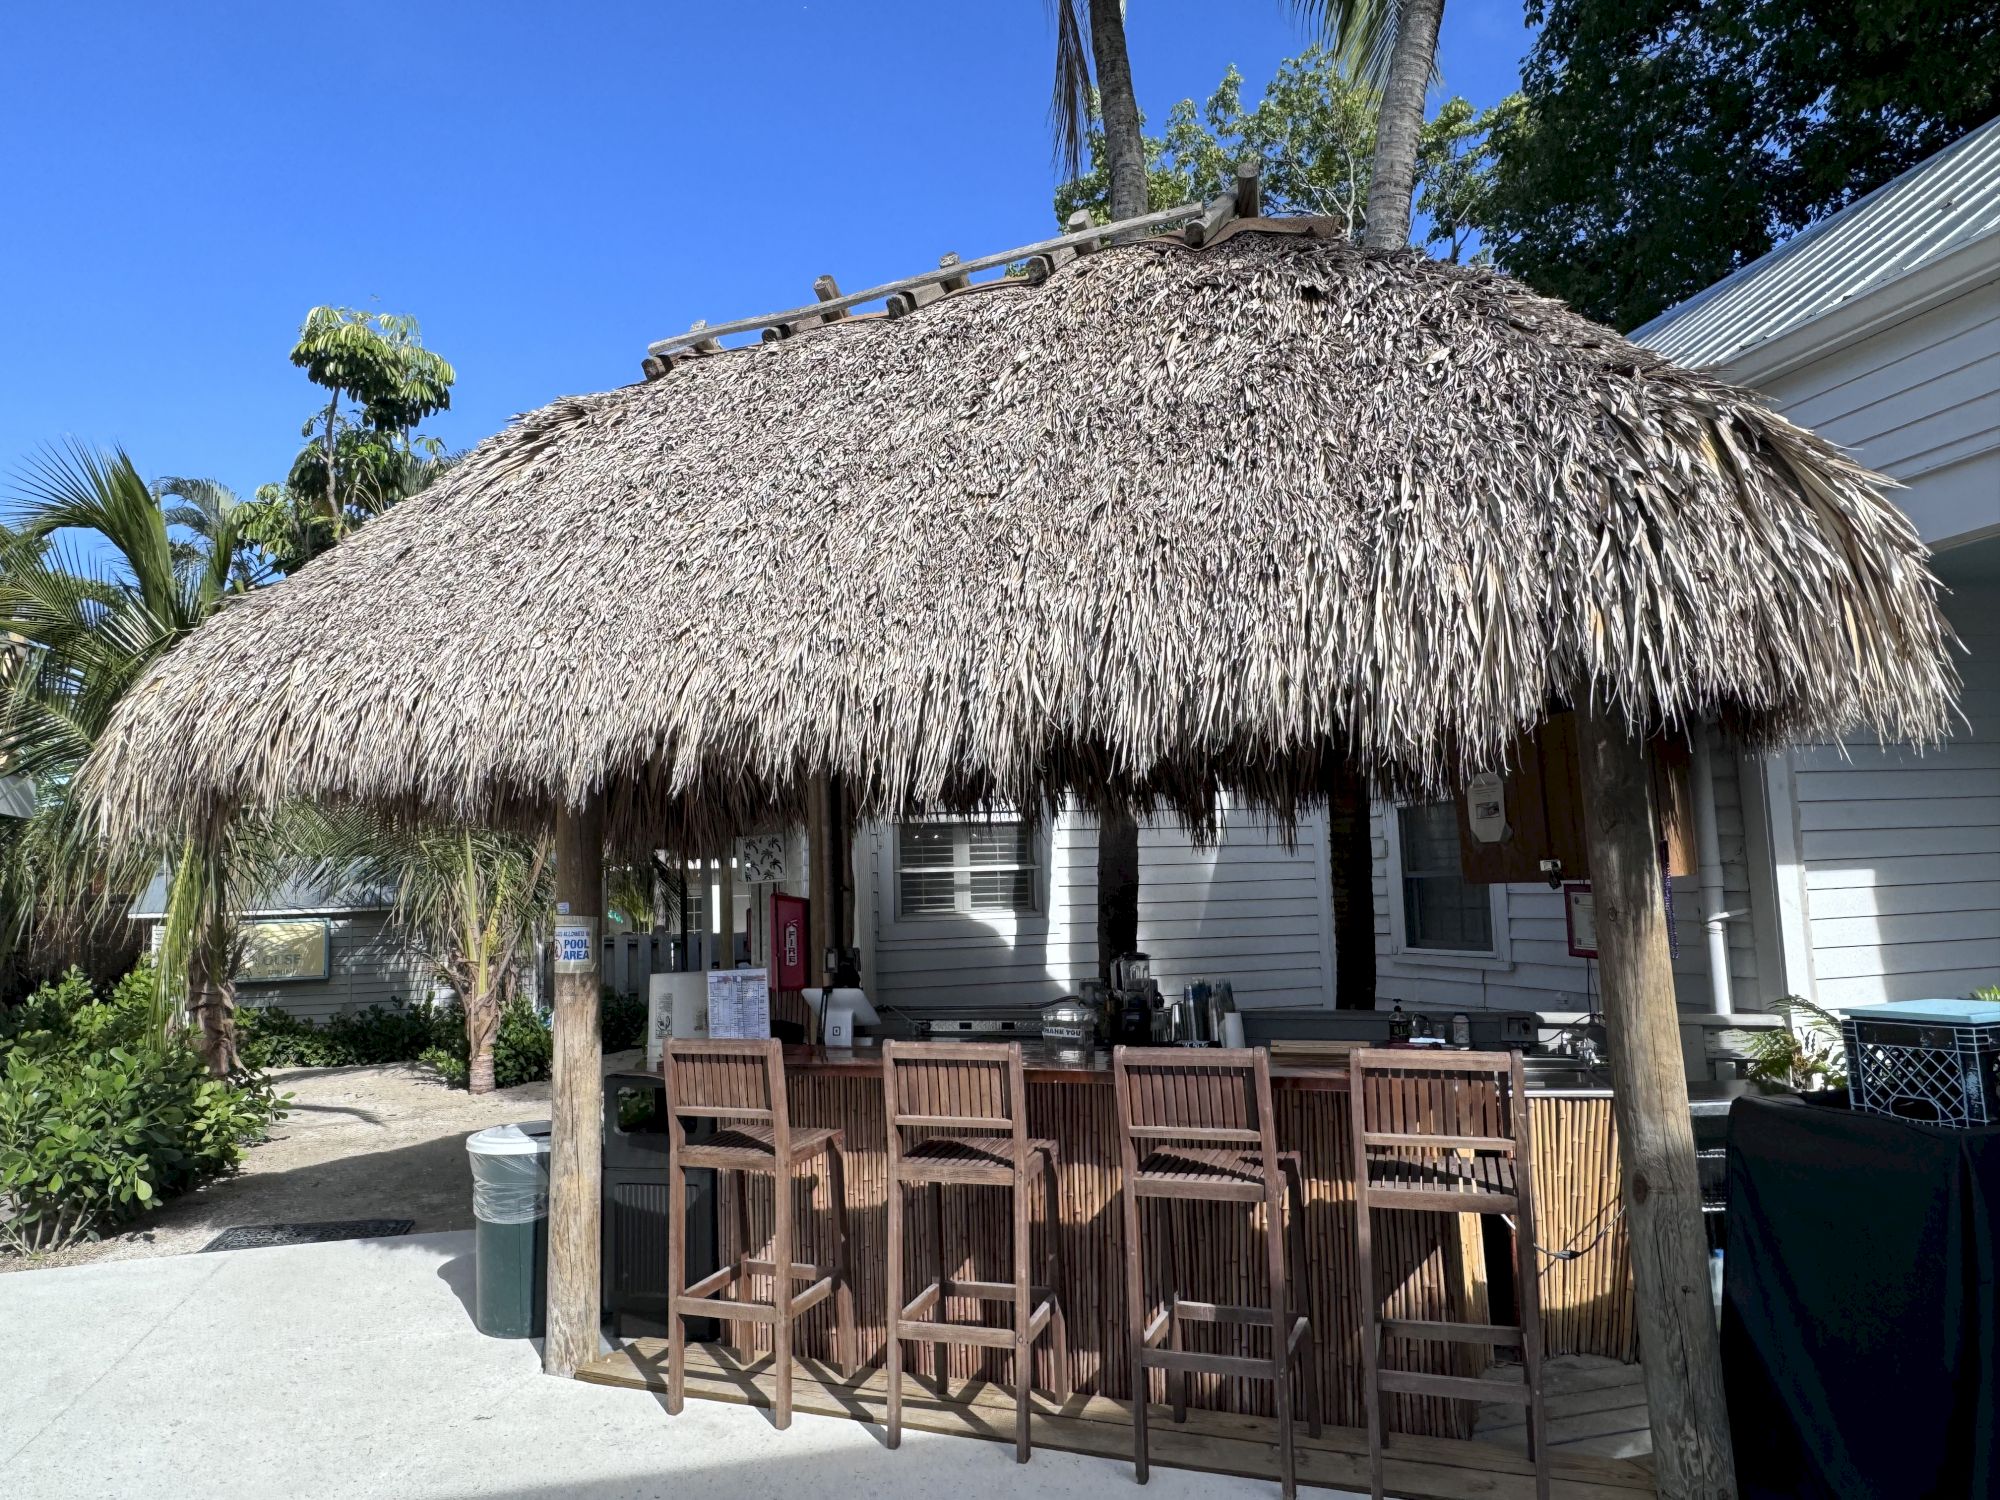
x=384, y=1142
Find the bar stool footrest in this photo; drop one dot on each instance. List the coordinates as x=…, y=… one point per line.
x=936, y=1331
x=1453, y=1387
x=1498, y=1335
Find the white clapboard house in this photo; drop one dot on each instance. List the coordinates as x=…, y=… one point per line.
x=1842, y=873
x=316, y=950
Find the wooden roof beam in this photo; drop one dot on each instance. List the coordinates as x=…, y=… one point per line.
x=827, y=308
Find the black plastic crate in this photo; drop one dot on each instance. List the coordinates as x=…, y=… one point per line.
x=1935, y=1067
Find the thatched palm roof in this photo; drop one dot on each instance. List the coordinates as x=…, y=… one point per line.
x=1169, y=522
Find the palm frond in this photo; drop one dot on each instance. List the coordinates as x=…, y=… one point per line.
x=101, y=491
x=1070, y=103
x=1361, y=33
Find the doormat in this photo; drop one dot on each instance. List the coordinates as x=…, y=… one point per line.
x=263, y=1236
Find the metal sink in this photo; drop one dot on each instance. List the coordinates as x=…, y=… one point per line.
x=1553, y=1070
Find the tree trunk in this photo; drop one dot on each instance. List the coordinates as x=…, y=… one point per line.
x=1117, y=888
x=576, y=1101
x=482, y=1024
x=1351, y=871
x=211, y=996
x=1124, y=149
x=213, y=1008
x=1401, y=117
x=332, y=472
x=1649, y=1101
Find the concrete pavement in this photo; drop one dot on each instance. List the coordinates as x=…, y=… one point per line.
x=352, y=1371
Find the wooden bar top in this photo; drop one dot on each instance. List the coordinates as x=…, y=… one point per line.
x=1048, y=1064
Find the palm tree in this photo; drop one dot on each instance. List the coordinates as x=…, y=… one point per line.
x=1391, y=45
x=84, y=629
x=468, y=899
x=1090, y=37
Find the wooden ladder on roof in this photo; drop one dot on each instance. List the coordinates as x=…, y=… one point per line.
x=1198, y=224
x=1446, y=1132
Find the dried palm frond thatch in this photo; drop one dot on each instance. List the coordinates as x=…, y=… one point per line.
x=1168, y=523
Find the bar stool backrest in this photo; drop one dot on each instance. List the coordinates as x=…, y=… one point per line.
x=955, y=1088
x=1195, y=1096
x=727, y=1080
x=1418, y=1104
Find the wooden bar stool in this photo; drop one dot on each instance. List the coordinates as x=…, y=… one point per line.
x=741, y=1086
x=1446, y=1132
x=965, y=1106
x=1197, y=1126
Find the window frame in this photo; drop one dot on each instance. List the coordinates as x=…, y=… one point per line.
x=913, y=924
x=1499, y=956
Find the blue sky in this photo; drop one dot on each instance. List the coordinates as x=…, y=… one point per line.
x=547, y=188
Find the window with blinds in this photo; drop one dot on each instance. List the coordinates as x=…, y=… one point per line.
x=964, y=869
x=1442, y=910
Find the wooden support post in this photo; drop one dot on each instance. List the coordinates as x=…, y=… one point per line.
x=1249, y=188
x=725, y=885
x=1117, y=888
x=841, y=847
x=576, y=1102
x=819, y=904
x=1350, y=845
x=1649, y=1101
x=828, y=290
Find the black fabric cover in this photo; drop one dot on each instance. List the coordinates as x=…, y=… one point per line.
x=1859, y=1326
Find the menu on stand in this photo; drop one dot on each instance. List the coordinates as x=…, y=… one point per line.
x=739, y=1004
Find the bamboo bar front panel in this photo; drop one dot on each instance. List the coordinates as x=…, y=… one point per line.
x=1430, y=1266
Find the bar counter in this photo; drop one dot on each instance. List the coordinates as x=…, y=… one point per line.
x=1431, y=1266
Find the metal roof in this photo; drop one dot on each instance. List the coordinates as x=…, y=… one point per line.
x=1937, y=207
x=350, y=893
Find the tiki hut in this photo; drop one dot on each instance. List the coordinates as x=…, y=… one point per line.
x=1155, y=523
x=1169, y=523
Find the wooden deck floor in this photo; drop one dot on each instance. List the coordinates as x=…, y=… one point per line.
x=1595, y=1405
x=1215, y=1442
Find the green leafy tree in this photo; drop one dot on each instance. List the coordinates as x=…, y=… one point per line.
x=1665, y=144
x=363, y=453
x=468, y=899
x=83, y=632
x=1314, y=134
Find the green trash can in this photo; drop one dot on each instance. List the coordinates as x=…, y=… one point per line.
x=510, y=1208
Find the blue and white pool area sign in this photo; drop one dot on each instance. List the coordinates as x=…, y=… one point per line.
x=576, y=945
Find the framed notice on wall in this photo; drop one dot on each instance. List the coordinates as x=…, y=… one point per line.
x=1580, y=911
x=282, y=951
x=1581, y=915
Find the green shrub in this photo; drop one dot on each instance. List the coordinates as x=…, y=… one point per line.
x=451, y=1066
x=100, y=1119
x=65, y=1015
x=522, y=1048
x=622, y=1021
x=267, y=1037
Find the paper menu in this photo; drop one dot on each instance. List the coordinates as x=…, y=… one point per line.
x=739, y=1004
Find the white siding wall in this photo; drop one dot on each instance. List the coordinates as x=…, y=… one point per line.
x=1920, y=402
x=1539, y=973
x=368, y=966
x=1246, y=909
x=1902, y=850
